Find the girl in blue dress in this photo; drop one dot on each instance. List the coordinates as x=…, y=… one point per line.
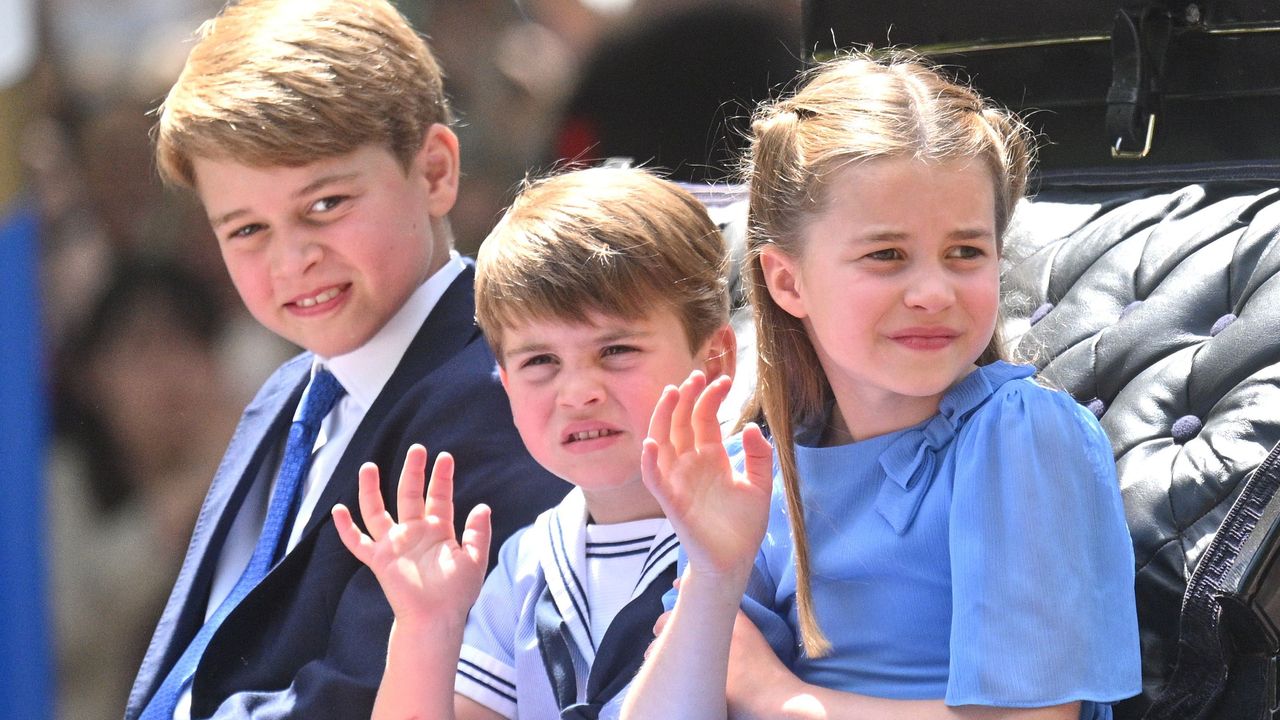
x=944, y=537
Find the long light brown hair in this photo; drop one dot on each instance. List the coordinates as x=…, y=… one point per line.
x=849, y=110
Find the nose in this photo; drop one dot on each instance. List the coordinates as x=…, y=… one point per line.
x=579, y=388
x=294, y=252
x=929, y=288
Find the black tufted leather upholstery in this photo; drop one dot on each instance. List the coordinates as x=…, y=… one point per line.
x=1159, y=308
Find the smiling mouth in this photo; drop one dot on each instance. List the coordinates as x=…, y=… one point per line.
x=590, y=435
x=323, y=297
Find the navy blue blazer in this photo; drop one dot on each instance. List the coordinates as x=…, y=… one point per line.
x=310, y=641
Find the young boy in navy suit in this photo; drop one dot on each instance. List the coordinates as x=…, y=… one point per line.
x=597, y=290
x=316, y=135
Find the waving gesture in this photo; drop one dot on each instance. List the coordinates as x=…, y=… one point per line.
x=422, y=567
x=720, y=516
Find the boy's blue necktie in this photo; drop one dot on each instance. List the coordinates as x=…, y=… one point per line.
x=321, y=396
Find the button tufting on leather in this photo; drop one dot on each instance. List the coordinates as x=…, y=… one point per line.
x=1097, y=407
x=1040, y=312
x=1130, y=308
x=1194, y=252
x=1185, y=428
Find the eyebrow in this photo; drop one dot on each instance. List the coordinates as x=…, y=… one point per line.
x=307, y=189
x=894, y=236
x=606, y=338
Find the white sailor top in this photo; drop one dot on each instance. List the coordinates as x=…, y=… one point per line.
x=528, y=649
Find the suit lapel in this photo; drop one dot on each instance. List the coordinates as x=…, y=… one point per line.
x=259, y=430
x=448, y=328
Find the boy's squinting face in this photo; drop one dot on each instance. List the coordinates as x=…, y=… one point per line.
x=582, y=395
x=324, y=254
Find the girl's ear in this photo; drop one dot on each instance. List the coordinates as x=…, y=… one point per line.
x=782, y=278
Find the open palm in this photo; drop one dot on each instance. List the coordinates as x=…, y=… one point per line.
x=719, y=515
x=422, y=567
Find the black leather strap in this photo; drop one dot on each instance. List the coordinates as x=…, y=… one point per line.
x=1139, y=42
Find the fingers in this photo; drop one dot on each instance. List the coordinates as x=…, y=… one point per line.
x=660, y=421
x=657, y=631
x=357, y=542
x=681, y=418
x=706, y=426
x=759, y=457
x=477, y=534
x=372, y=508
x=440, y=492
x=661, y=623
x=651, y=473
x=409, y=502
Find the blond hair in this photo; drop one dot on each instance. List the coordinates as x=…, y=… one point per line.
x=615, y=241
x=848, y=110
x=286, y=82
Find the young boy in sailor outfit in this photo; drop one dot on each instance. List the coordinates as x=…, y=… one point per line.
x=598, y=289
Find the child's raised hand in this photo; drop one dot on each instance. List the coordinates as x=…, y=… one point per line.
x=719, y=515
x=422, y=567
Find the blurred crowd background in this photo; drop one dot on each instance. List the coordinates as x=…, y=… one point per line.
x=148, y=356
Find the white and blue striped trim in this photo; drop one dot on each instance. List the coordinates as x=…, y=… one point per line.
x=486, y=680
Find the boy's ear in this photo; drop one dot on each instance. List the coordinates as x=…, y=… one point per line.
x=440, y=164
x=502, y=376
x=782, y=278
x=721, y=353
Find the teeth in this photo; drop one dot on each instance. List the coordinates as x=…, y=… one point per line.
x=323, y=297
x=588, y=435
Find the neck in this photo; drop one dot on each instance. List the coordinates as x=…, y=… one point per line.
x=624, y=504
x=857, y=416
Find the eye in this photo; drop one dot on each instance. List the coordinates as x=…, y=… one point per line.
x=245, y=231
x=536, y=360
x=885, y=255
x=609, y=350
x=966, y=252
x=327, y=204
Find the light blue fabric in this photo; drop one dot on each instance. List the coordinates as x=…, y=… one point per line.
x=981, y=556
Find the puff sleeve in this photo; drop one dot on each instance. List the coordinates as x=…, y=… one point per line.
x=1043, y=608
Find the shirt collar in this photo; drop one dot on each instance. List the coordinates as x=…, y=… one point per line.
x=364, y=371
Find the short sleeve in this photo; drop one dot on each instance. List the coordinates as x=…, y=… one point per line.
x=486, y=665
x=1043, y=608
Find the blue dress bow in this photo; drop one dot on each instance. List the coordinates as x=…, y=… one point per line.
x=910, y=462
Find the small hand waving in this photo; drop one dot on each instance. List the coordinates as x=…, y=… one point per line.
x=421, y=565
x=719, y=515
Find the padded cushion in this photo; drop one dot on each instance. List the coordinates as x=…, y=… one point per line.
x=1159, y=309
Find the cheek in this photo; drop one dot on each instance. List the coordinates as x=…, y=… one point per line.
x=982, y=299
x=249, y=278
x=527, y=414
